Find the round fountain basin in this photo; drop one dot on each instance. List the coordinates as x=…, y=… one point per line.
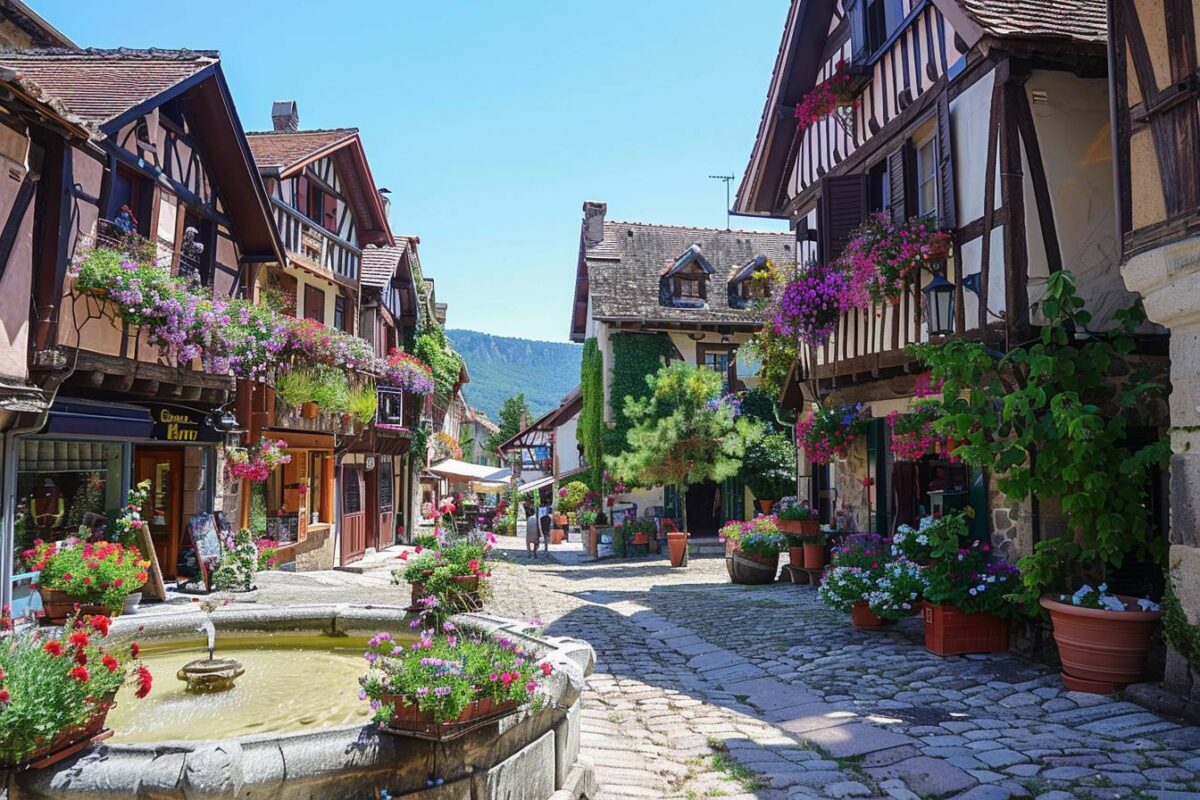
x=291, y=683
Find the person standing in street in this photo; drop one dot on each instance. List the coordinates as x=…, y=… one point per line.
x=545, y=523
x=532, y=533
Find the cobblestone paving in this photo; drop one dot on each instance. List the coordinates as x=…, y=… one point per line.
x=705, y=689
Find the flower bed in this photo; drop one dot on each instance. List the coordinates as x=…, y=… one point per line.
x=55, y=690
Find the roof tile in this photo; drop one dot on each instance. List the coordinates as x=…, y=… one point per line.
x=379, y=263
x=278, y=150
x=1081, y=20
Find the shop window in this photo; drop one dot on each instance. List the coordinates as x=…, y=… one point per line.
x=65, y=488
x=318, y=504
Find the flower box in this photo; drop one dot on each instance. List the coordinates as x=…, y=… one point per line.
x=58, y=606
x=950, y=632
x=799, y=527
x=410, y=721
x=65, y=743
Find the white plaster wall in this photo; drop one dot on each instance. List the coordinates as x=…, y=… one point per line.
x=566, y=445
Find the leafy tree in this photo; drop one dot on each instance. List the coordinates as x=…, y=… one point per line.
x=682, y=433
x=770, y=466
x=1049, y=419
x=514, y=415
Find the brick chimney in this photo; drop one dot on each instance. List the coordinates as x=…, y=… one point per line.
x=285, y=116
x=593, y=221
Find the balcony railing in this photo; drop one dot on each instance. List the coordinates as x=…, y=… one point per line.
x=314, y=247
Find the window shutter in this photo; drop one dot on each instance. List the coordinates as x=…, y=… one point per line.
x=302, y=194
x=856, y=12
x=901, y=171
x=844, y=207
x=331, y=216
x=947, y=220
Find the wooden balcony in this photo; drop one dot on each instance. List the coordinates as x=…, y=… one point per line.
x=314, y=248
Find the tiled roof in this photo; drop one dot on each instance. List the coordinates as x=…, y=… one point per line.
x=624, y=268
x=379, y=263
x=1081, y=20
x=278, y=150
x=98, y=85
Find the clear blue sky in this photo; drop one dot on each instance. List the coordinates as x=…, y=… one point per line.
x=492, y=122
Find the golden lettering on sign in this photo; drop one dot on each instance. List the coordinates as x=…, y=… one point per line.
x=180, y=427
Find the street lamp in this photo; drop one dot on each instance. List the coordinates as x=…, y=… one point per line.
x=939, y=306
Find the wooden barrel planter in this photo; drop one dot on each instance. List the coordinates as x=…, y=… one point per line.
x=752, y=570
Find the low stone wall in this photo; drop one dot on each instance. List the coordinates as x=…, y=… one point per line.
x=532, y=755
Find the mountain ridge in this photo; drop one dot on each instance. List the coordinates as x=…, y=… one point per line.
x=503, y=366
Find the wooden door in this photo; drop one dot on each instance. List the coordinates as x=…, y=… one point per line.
x=353, y=522
x=163, y=467
x=372, y=506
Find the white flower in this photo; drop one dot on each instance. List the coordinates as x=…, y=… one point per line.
x=1111, y=603
x=1146, y=604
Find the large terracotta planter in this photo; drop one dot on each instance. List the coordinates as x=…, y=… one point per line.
x=861, y=616
x=814, y=556
x=58, y=606
x=796, y=557
x=950, y=632
x=409, y=718
x=1101, y=651
x=765, y=505
x=805, y=527
x=677, y=546
x=752, y=570
x=557, y=535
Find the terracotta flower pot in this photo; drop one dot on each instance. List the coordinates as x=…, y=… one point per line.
x=764, y=505
x=309, y=410
x=814, y=556
x=796, y=557
x=861, y=616
x=677, y=545
x=806, y=527
x=950, y=632
x=593, y=542
x=57, y=606
x=557, y=535
x=562, y=520
x=1101, y=650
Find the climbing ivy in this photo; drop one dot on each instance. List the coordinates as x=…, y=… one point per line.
x=1049, y=421
x=591, y=418
x=434, y=349
x=1180, y=633
x=635, y=357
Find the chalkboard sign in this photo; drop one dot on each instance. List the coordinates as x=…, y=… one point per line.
x=204, y=536
x=284, y=529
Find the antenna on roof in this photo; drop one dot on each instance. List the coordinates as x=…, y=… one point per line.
x=728, y=180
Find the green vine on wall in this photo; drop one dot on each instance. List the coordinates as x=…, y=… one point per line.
x=1049, y=420
x=434, y=349
x=635, y=357
x=1180, y=633
x=591, y=418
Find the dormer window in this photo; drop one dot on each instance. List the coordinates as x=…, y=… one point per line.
x=683, y=283
x=749, y=282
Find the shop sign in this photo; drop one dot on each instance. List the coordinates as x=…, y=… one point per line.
x=180, y=424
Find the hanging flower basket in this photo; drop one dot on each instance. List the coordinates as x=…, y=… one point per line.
x=828, y=433
x=913, y=435
x=257, y=463
x=882, y=256
x=828, y=97
x=812, y=304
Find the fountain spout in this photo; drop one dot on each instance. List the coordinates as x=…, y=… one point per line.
x=207, y=627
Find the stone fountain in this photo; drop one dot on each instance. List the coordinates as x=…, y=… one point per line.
x=206, y=675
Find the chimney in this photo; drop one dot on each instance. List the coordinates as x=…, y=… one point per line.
x=387, y=201
x=593, y=221
x=285, y=116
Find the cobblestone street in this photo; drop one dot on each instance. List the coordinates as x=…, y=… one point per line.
x=706, y=689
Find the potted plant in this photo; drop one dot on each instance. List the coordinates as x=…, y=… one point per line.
x=865, y=581
x=1103, y=639
x=812, y=549
x=769, y=468
x=811, y=305
x=913, y=434
x=754, y=555
x=444, y=681
x=56, y=689
x=587, y=521
x=96, y=576
x=407, y=372
x=456, y=574
x=883, y=255
x=295, y=388
x=966, y=607
x=256, y=463
x=128, y=530
x=829, y=432
x=682, y=434
x=797, y=517
x=239, y=561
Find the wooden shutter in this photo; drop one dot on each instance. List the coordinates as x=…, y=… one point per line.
x=947, y=218
x=844, y=207
x=314, y=304
x=302, y=194
x=331, y=217
x=901, y=180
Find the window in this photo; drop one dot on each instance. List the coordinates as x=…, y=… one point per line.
x=883, y=18
x=131, y=201
x=316, y=486
x=317, y=204
x=197, y=247
x=878, y=188
x=721, y=359
x=351, y=490
x=314, y=304
x=339, y=313
x=689, y=288
x=385, y=484
x=927, y=178
x=872, y=24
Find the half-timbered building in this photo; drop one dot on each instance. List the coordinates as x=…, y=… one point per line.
x=166, y=160
x=988, y=120
x=647, y=293
x=1156, y=120
x=326, y=208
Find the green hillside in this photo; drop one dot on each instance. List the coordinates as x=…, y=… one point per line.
x=502, y=366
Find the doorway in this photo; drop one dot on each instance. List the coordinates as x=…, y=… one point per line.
x=704, y=509
x=163, y=467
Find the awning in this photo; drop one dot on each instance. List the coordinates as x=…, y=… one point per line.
x=91, y=418
x=466, y=471
x=537, y=483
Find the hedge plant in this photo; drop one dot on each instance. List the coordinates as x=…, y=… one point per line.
x=636, y=357
x=591, y=418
